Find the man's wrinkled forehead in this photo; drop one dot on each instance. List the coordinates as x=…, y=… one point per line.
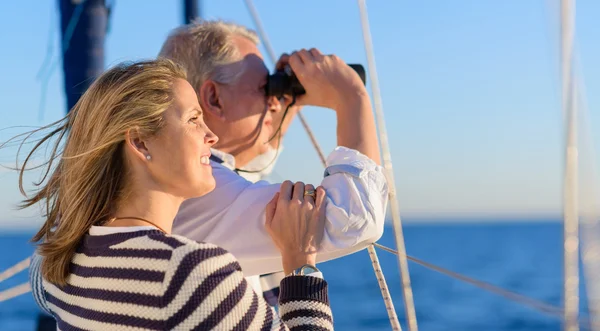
x=251, y=57
x=255, y=66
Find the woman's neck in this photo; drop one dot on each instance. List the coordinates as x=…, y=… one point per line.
x=155, y=207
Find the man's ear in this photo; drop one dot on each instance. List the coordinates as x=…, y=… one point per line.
x=211, y=99
x=136, y=145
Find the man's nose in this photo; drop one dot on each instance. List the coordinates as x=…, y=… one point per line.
x=273, y=104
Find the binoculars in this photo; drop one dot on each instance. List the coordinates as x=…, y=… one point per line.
x=285, y=81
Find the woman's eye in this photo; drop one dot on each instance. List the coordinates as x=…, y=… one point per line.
x=194, y=119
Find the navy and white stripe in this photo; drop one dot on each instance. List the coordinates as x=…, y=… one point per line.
x=146, y=280
x=270, y=287
x=36, y=283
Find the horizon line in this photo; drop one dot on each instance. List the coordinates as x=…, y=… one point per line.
x=442, y=218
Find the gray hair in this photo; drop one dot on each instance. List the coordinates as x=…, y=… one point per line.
x=205, y=48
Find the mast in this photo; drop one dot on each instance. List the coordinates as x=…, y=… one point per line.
x=83, y=25
x=191, y=11
x=570, y=187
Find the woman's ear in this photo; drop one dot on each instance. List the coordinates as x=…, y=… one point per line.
x=210, y=98
x=136, y=145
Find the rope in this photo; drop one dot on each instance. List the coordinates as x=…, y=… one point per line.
x=385, y=293
x=19, y=289
x=15, y=269
x=407, y=293
x=570, y=189
x=15, y=291
x=313, y=140
x=516, y=297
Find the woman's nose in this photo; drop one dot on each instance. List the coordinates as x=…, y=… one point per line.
x=210, y=138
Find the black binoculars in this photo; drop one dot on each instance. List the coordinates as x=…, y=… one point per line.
x=285, y=82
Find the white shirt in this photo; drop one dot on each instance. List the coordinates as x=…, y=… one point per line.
x=259, y=168
x=233, y=214
x=262, y=164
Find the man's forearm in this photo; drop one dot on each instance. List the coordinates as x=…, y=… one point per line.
x=356, y=127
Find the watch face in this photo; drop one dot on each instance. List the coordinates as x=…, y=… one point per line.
x=307, y=269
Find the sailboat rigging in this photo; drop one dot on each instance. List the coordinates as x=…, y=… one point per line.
x=84, y=25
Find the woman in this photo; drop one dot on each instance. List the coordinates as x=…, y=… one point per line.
x=136, y=147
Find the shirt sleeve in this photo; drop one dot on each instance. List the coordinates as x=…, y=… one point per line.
x=205, y=289
x=233, y=214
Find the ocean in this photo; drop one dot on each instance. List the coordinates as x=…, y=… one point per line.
x=518, y=256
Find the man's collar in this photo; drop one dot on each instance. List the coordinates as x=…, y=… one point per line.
x=227, y=159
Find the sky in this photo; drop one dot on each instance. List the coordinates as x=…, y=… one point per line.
x=470, y=91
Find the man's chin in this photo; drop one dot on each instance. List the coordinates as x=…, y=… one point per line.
x=263, y=148
x=265, y=145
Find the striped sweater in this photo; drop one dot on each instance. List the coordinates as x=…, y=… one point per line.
x=146, y=280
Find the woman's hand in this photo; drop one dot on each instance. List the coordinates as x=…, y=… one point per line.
x=295, y=222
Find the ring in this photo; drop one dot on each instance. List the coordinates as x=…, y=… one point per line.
x=311, y=193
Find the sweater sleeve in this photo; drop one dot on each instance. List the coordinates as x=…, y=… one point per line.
x=205, y=289
x=36, y=283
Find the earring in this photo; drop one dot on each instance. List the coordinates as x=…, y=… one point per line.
x=148, y=157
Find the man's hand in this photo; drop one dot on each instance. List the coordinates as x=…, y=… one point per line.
x=328, y=81
x=331, y=83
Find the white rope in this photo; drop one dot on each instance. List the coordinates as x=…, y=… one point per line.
x=385, y=293
x=15, y=291
x=313, y=140
x=409, y=305
x=15, y=269
x=570, y=194
x=19, y=289
x=516, y=297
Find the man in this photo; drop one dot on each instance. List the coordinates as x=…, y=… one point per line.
x=227, y=70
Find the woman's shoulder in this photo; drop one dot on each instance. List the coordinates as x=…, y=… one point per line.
x=187, y=251
x=181, y=242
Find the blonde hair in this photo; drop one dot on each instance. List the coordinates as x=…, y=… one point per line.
x=205, y=48
x=89, y=180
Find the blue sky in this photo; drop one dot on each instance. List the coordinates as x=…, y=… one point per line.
x=470, y=90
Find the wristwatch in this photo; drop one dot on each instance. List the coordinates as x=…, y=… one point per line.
x=304, y=270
